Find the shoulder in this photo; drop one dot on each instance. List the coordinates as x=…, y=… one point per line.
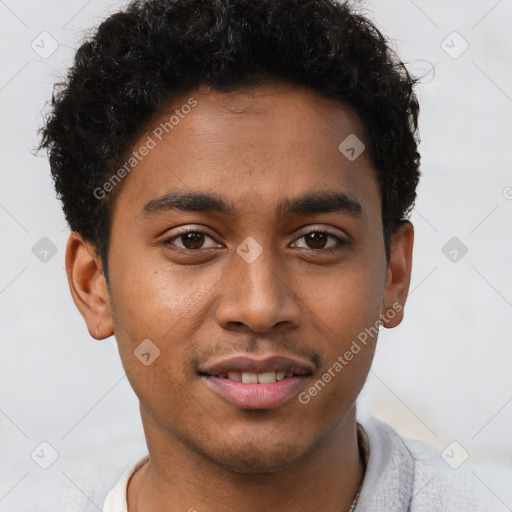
x=449, y=485
x=103, y=490
x=407, y=475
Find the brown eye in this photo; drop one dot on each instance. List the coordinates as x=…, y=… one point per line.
x=319, y=240
x=316, y=240
x=192, y=241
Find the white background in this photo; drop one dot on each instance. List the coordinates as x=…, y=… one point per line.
x=444, y=375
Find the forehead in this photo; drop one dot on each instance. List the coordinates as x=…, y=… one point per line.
x=256, y=146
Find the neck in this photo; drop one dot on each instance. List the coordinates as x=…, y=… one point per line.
x=177, y=478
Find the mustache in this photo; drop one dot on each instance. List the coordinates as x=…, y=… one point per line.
x=254, y=345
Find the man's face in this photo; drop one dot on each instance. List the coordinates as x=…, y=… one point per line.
x=262, y=274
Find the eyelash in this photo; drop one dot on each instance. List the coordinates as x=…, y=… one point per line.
x=340, y=243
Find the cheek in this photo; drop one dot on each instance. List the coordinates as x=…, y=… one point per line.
x=166, y=305
x=153, y=296
x=153, y=349
x=346, y=301
x=344, y=317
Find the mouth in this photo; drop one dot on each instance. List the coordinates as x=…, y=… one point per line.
x=257, y=383
x=257, y=378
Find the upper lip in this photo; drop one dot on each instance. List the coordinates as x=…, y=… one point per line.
x=261, y=364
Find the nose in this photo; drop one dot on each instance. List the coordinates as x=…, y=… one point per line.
x=257, y=296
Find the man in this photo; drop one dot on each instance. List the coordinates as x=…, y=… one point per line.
x=237, y=177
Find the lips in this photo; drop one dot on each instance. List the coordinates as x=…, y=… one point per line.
x=251, y=382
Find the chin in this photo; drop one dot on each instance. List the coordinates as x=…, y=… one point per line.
x=255, y=454
x=249, y=459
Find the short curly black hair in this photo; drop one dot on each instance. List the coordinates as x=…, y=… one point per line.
x=142, y=57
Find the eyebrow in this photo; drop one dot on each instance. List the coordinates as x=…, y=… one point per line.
x=320, y=202
x=189, y=201
x=312, y=203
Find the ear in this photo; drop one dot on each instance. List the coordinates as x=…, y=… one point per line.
x=88, y=286
x=399, y=275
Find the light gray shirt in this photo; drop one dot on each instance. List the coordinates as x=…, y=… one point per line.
x=401, y=476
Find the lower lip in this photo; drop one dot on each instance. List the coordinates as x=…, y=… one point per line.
x=257, y=396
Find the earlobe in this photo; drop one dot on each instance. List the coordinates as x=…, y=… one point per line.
x=398, y=276
x=88, y=286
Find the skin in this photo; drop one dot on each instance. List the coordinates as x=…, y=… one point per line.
x=303, y=295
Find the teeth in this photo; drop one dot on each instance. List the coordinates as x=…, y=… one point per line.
x=267, y=377
x=249, y=377
x=254, y=378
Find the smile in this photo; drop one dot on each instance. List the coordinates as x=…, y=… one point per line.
x=257, y=383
